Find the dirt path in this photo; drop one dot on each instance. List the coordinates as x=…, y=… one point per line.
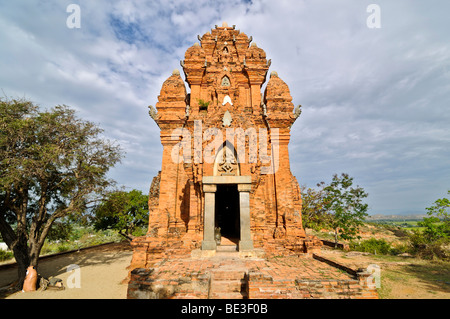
x=100, y=275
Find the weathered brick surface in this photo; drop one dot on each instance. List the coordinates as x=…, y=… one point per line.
x=226, y=63
x=276, y=277
x=227, y=67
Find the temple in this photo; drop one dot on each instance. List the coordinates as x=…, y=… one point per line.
x=225, y=206
x=225, y=166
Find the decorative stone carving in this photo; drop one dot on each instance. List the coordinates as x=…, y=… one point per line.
x=227, y=99
x=225, y=81
x=227, y=167
x=226, y=120
x=152, y=112
x=298, y=111
x=226, y=163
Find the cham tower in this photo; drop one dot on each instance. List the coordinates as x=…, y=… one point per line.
x=225, y=210
x=225, y=177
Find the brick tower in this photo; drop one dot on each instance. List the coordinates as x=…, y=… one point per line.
x=225, y=172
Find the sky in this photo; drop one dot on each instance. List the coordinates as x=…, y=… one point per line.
x=375, y=100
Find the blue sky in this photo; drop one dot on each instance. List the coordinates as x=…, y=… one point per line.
x=375, y=101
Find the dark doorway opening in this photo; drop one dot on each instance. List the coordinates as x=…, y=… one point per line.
x=227, y=211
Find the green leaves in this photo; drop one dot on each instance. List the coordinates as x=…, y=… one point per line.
x=441, y=208
x=346, y=205
x=52, y=163
x=436, y=229
x=123, y=211
x=338, y=206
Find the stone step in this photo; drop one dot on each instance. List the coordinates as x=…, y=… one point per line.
x=227, y=285
x=226, y=241
x=226, y=248
x=220, y=275
x=229, y=255
x=228, y=295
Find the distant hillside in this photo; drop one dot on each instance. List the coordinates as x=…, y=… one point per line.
x=395, y=217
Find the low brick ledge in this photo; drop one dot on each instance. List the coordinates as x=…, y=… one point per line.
x=14, y=264
x=336, y=264
x=330, y=243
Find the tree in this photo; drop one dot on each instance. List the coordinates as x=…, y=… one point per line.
x=314, y=214
x=123, y=211
x=432, y=241
x=344, y=203
x=434, y=228
x=52, y=165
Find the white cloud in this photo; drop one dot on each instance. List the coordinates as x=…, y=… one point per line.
x=375, y=101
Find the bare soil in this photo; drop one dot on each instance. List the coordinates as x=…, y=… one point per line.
x=103, y=273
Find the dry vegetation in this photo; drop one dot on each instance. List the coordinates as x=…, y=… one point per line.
x=403, y=276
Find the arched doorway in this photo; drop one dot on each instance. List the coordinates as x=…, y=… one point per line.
x=227, y=201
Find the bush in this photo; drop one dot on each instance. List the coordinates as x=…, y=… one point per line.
x=398, y=249
x=372, y=245
x=63, y=247
x=81, y=237
x=429, y=249
x=5, y=255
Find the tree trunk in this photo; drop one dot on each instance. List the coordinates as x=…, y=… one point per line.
x=23, y=261
x=129, y=237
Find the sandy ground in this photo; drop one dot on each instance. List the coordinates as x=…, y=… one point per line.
x=100, y=275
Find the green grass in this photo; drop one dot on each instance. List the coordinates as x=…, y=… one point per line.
x=435, y=275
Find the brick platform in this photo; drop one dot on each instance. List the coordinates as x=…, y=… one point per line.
x=226, y=275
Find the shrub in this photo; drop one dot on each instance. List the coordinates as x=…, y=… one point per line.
x=372, y=245
x=203, y=105
x=425, y=248
x=63, y=247
x=6, y=255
